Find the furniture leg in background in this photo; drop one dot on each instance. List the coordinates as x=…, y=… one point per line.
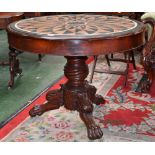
x=5, y=19
x=148, y=59
x=13, y=66
x=128, y=58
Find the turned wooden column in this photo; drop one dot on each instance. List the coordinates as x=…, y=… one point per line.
x=76, y=70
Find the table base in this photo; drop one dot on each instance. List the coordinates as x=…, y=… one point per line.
x=76, y=94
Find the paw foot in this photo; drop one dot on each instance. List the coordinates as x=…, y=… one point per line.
x=94, y=132
x=37, y=110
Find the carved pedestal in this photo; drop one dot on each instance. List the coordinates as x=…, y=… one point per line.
x=76, y=94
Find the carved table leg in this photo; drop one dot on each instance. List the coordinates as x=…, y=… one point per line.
x=76, y=94
x=54, y=101
x=81, y=95
x=14, y=66
x=94, y=131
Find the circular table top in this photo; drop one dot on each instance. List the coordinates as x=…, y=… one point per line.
x=64, y=34
x=75, y=26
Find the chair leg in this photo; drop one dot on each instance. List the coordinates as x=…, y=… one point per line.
x=112, y=56
x=133, y=59
x=108, y=61
x=13, y=66
x=125, y=56
x=127, y=69
x=126, y=76
x=39, y=57
x=93, y=69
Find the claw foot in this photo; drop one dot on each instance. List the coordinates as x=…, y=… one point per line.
x=37, y=110
x=94, y=132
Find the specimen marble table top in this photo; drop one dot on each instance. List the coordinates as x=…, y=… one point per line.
x=76, y=26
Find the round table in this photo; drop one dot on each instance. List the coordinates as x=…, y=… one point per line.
x=75, y=37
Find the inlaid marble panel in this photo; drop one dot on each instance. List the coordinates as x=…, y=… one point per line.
x=75, y=26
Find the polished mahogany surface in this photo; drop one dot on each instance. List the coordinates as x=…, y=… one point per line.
x=72, y=35
x=8, y=17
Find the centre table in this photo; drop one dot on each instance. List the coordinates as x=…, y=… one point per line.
x=75, y=37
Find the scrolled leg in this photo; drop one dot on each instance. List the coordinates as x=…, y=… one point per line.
x=54, y=101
